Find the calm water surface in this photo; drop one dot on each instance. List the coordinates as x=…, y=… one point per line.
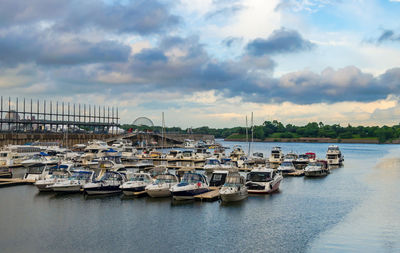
x=355, y=208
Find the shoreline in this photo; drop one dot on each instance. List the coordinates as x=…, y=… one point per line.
x=318, y=140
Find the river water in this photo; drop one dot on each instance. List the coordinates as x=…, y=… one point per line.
x=354, y=209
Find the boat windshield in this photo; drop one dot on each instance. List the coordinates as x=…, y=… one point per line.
x=303, y=157
x=140, y=178
x=35, y=170
x=232, y=180
x=165, y=179
x=212, y=162
x=80, y=175
x=287, y=164
x=259, y=176
x=314, y=164
x=191, y=178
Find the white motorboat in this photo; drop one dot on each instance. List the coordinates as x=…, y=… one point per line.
x=35, y=172
x=54, y=174
x=162, y=185
x=36, y=160
x=334, y=156
x=302, y=161
x=234, y=188
x=318, y=168
x=211, y=164
x=291, y=156
x=75, y=182
x=14, y=155
x=286, y=167
x=174, y=155
x=263, y=180
x=202, y=153
x=276, y=156
x=136, y=183
x=237, y=154
x=108, y=184
x=191, y=184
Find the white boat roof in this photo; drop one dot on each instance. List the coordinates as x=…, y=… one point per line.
x=262, y=169
x=220, y=172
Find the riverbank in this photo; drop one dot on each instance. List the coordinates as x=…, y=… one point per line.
x=317, y=140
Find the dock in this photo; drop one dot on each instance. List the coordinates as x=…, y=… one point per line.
x=208, y=196
x=297, y=173
x=5, y=182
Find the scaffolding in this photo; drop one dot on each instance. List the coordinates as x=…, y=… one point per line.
x=33, y=116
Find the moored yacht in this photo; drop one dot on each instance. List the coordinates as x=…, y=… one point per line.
x=286, y=167
x=234, y=188
x=162, y=185
x=54, y=174
x=276, y=156
x=318, y=168
x=263, y=180
x=334, y=155
x=191, y=184
x=108, y=184
x=75, y=182
x=136, y=183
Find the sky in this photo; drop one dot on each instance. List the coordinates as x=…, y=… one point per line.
x=208, y=62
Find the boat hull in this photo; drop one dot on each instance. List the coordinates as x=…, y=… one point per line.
x=233, y=197
x=133, y=190
x=269, y=188
x=188, y=194
x=44, y=187
x=159, y=193
x=315, y=173
x=102, y=190
x=67, y=189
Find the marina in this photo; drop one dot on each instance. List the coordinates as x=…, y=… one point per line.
x=290, y=210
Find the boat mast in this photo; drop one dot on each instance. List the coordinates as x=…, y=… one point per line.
x=247, y=133
x=252, y=128
x=162, y=132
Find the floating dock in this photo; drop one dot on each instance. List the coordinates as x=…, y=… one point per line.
x=297, y=173
x=4, y=182
x=208, y=196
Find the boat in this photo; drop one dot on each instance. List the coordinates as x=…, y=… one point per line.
x=291, y=156
x=311, y=156
x=218, y=178
x=174, y=155
x=201, y=153
x=136, y=183
x=211, y=164
x=34, y=172
x=188, y=155
x=276, y=156
x=234, y=188
x=318, y=168
x=302, y=161
x=237, y=153
x=54, y=174
x=263, y=180
x=109, y=183
x=14, y=155
x=286, y=167
x=191, y=184
x=41, y=158
x=74, y=183
x=161, y=186
x=334, y=156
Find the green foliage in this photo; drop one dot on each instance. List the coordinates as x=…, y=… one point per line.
x=275, y=129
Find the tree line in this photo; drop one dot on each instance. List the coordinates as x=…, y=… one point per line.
x=275, y=129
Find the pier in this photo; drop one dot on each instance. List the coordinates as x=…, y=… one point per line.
x=5, y=182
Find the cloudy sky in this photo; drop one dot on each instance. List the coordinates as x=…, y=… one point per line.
x=208, y=62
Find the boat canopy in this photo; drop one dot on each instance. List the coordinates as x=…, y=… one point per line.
x=259, y=176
